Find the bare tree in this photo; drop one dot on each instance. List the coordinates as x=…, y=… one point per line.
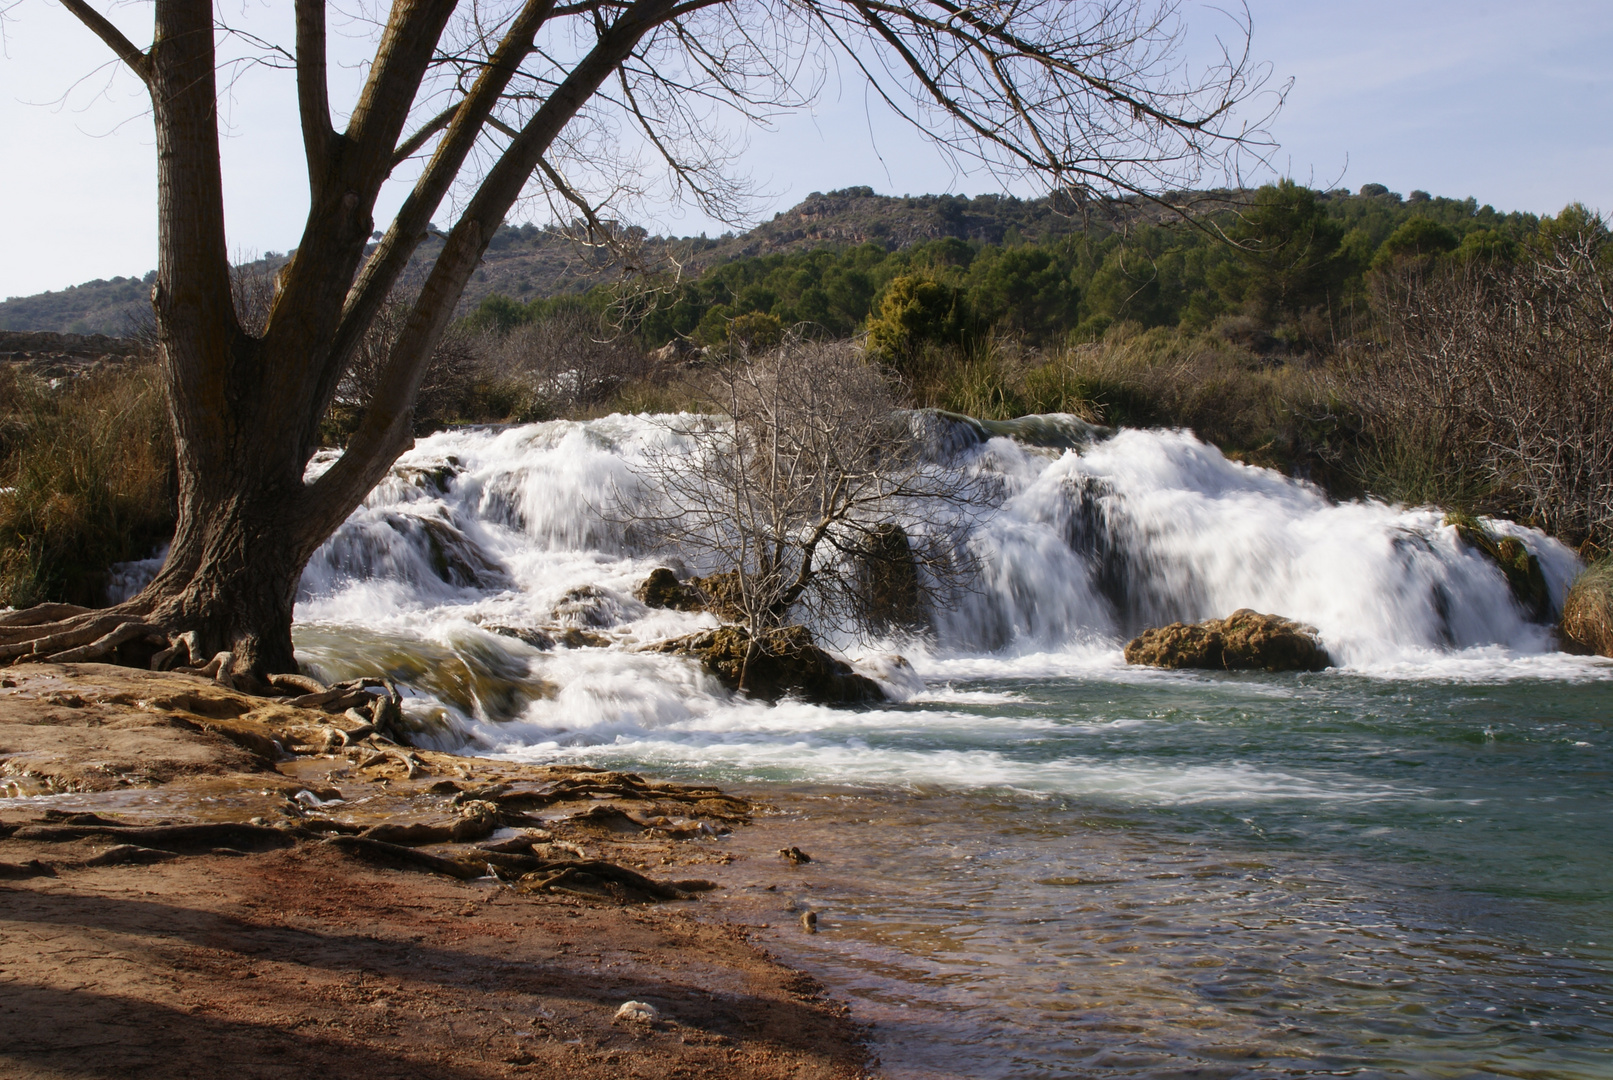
x=1505, y=370
x=810, y=490
x=569, y=359
x=557, y=98
x=461, y=359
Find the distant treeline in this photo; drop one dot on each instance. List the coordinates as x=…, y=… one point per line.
x=1290, y=265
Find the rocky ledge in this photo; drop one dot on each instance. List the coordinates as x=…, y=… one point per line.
x=1243, y=641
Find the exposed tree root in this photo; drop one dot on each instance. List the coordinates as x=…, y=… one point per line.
x=42, y=613
x=302, y=684
x=129, y=634
x=403, y=858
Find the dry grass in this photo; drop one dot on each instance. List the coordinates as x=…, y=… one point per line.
x=86, y=480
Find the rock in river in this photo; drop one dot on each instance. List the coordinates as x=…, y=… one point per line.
x=782, y=661
x=1244, y=641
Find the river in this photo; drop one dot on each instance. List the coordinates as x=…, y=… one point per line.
x=1036, y=861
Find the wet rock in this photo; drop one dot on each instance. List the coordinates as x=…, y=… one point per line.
x=588, y=606
x=529, y=635
x=573, y=638
x=662, y=589
x=1587, y=624
x=888, y=593
x=453, y=556
x=1244, y=641
x=437, y=478
x=809, y=921
x=794, y=856
x=544, y=638
x=1521, y=569
x=779, y=662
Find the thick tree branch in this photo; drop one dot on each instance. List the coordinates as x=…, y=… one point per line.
x=386, y=263
x=407, y=47
x=138, y=61
x=313, y=91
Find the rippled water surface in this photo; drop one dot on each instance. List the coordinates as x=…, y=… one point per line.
x=1219, y=877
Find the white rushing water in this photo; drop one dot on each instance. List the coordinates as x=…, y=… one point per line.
x=1080, y=549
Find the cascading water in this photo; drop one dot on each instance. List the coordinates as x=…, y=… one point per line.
x=1083, y=547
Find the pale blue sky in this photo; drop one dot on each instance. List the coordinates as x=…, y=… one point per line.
x=1507, y=102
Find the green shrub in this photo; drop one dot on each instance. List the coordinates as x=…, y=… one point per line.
x=918, y=312
x=755, y=331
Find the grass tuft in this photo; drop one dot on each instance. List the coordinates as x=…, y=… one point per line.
x=86, y=480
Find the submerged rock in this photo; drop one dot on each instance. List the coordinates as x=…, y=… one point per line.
x=544, y=638
x=588, y=606
x=783, y=661
x=1521, y=569
x=1244, y=641
x=1588, y=611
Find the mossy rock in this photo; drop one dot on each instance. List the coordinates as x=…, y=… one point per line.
x=1512, y=558
x=1246, y=640
x=662, y=589
x=784, y=661
x=718, y=594
x=721, y=594
x=1587, y=624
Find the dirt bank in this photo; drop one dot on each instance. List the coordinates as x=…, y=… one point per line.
x=179, y=898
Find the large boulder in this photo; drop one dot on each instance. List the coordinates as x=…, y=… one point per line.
x=1587, y=624
x=1243, y=641
x=1517, y=565
x=783, y=661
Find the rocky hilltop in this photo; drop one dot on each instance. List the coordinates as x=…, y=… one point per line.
x=528, y=261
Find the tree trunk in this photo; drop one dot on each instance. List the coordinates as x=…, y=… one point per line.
x=231, y=576
x=246, y=410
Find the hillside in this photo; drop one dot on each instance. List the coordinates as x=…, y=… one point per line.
x=528, y=261
x=525, y=262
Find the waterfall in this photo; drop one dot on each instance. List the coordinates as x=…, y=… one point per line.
x=479, y=538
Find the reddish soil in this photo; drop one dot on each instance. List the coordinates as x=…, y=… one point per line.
x=306, y=963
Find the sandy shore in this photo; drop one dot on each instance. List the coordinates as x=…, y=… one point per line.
x=180, y=897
